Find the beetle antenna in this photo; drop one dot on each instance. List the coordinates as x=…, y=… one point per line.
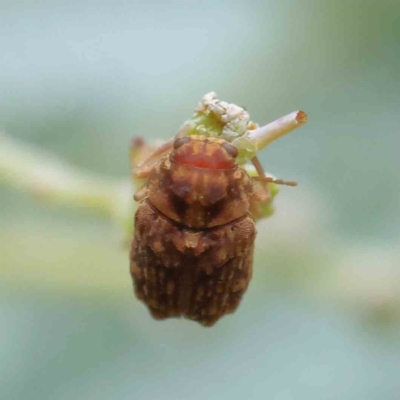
x=261, y=174
x=263, y=178
x=258, y=166
x=274, y=180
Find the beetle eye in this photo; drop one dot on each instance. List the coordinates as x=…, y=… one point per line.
x=230, y=149
x=181, y=141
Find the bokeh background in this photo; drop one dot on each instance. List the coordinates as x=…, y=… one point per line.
x=79, y=79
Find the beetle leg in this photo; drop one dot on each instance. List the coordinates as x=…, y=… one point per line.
x=145, y=157
x=261, y=192
x=259, y=200
x=141, y=193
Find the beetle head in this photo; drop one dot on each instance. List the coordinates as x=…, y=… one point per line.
x=204, y=152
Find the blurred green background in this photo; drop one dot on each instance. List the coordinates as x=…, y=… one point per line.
x=321, y=319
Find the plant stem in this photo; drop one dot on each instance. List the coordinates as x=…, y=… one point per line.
x=31, y=170
x=263, y=136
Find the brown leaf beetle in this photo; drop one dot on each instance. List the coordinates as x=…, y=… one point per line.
x=192, y=251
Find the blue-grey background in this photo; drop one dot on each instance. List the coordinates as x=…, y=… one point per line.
x=320, y=321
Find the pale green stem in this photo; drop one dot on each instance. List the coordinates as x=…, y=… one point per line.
x=263, y=136
x=31, y=170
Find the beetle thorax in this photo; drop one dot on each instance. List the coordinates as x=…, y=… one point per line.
x=204, y=152
x=186, y=191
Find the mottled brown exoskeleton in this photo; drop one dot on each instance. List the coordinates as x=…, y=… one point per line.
x=192, y=251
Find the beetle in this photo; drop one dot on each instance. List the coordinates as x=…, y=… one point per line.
x=192, y=251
